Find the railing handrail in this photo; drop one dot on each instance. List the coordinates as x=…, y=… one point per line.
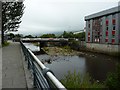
x=48, y=73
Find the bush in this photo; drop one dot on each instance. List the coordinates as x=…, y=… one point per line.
x=113, y=79
x=5, y=44
x=75, y=80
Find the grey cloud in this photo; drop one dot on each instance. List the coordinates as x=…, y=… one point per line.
x=41, y=16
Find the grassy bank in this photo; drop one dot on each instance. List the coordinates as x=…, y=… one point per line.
x=36, y=43
x=75, y=80
x=65, y=50
x=5, y=44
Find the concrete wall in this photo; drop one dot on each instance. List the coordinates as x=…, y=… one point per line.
x=105, y=48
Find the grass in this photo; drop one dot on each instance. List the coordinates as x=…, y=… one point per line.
x=75, y=80
x=46, y=49
x=66, y=47
x=5, y=44
x=36, y=44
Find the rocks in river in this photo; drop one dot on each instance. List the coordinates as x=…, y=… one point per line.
x=48, y=61
x=61, y=51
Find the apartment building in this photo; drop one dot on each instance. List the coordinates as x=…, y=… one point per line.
x=103, y=28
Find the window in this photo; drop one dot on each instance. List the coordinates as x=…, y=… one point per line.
x=113, y=27
x=113, y=41
x=106, y=33
x=106, y=40
x=113, y=36
x=107, y=22
x=98, y=33
x=107, y=28
x=113, y=21
x=113, y=32
x=88, y=39
x=88, y=24
x=88, y=34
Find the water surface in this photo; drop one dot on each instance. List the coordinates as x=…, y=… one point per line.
x=97, y=65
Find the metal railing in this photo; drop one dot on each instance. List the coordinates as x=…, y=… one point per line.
x=43, y=76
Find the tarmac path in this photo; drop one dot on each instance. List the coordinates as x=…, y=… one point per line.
x=13, y=74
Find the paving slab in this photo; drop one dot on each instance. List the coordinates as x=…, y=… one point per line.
x=13, y=74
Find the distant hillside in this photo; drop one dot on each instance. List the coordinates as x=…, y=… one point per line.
x=57, y=33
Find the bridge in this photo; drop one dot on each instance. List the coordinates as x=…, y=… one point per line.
x=44, y=40
x=14, y=71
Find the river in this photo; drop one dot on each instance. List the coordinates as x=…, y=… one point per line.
x=97, y=65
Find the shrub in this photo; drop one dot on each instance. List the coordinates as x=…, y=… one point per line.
x=5, y=44
x=76, y=80
x=113, y=79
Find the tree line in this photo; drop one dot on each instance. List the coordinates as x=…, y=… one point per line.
x=80, y=36
x=11, y=16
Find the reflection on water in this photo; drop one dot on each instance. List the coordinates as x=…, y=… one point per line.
x=32, y=47
x=60, y=65
x=97, y=65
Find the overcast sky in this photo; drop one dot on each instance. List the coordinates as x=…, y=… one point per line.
x=47, y=16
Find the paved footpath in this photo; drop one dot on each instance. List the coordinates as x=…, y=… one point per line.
x=13, y=74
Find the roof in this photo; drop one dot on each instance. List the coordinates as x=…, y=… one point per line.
x=103, y=13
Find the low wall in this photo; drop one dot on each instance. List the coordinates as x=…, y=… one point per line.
x=104, y=48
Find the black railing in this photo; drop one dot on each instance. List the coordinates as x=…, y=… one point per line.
x=43, y=76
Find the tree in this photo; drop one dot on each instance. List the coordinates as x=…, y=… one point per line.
x=11, y=35
x=80, y=36
x=28, y=36
x=48, y=36
x=68, y=34
x=11, y=16
x=18, y=35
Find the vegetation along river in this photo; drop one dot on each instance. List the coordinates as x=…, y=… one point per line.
x=61, y=60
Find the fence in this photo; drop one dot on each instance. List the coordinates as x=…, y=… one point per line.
x=43, y=76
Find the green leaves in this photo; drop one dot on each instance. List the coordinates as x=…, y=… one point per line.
x=48, y=36
x=11, y=15
x=113, y=79
x=76, y=80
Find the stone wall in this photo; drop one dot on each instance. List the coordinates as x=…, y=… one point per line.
x=103, y=48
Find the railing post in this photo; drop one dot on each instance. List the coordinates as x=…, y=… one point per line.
x=28, y=60
x=34, y=75
x=43, y=77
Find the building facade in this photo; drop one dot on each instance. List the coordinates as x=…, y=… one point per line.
x=103, y=27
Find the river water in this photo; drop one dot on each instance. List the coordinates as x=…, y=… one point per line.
x=97, y=65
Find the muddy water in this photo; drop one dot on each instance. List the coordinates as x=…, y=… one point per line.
x=97, y=65
x=32, y=47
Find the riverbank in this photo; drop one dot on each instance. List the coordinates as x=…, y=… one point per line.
x=111, y=54
x=67, y=51
x=64, y=51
